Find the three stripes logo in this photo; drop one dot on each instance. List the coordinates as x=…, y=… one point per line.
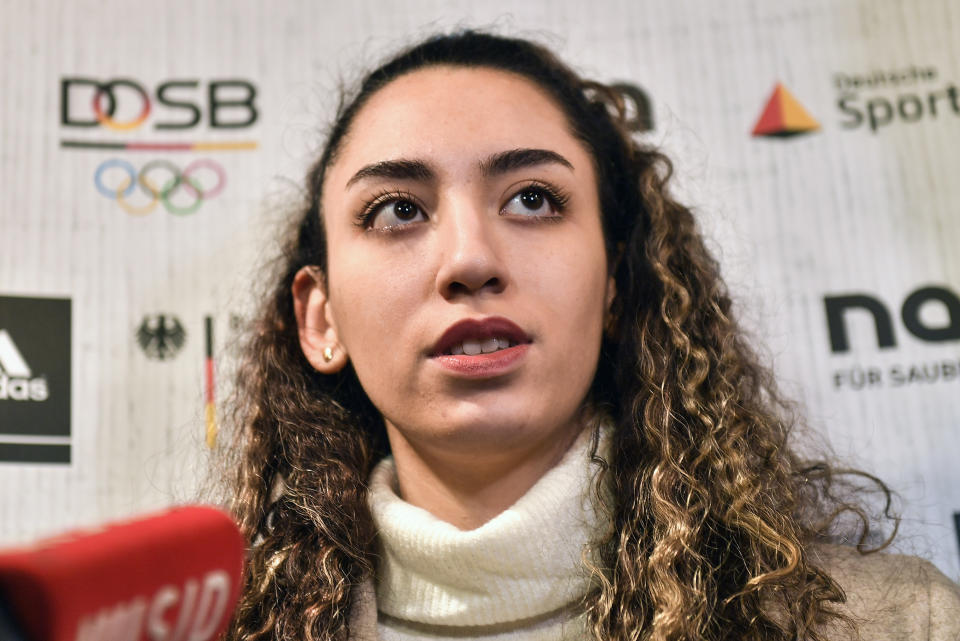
x=16, y=378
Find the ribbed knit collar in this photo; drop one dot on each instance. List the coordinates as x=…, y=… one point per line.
x=522, y=567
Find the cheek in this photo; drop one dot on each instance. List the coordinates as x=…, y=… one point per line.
x=371, y=301
x=571, y=281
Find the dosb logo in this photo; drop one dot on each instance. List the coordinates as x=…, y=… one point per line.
x=34, y=379
x=121, y=107
x=123, y=104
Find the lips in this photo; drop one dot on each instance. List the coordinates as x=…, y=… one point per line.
x=475, y=337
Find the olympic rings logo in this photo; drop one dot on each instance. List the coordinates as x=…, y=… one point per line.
x=147, y=179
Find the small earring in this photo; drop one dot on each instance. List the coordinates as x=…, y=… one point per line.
x=327, y=354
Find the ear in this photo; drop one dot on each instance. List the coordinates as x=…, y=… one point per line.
x=609, y=320
x=611, y=293
x=319, y=339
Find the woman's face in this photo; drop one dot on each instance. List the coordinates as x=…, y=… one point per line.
x=467, y=276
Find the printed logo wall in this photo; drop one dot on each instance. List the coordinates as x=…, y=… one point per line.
x=890, y=354
x=931, y=312
x=125, y=189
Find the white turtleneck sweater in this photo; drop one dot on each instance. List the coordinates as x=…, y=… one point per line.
x=520, y=576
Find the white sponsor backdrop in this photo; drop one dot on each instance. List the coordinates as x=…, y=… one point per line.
x=844, y=210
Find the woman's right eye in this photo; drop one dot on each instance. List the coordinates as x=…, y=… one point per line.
x=394, y=213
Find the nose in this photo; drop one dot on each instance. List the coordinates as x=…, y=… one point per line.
x=470, y=261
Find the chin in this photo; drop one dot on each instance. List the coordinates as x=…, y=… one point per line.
x=499, y=425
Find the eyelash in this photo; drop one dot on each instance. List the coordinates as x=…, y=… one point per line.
x=365, y=216
x=557, y=197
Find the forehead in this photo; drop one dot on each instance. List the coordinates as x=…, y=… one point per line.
x=455, y=113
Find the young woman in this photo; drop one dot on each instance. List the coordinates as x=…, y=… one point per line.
x=498, y=392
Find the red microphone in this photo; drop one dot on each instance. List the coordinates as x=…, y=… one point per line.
x=174, y=576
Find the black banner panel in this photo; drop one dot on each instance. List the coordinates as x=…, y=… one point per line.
x=34, y=380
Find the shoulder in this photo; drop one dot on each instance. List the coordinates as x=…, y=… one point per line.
x=363, y=612
x=893, y=597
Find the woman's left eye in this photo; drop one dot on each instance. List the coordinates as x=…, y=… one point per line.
x=534, y=202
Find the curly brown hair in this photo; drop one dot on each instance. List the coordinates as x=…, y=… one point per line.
x=713, y=512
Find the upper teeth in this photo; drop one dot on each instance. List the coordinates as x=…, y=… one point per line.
x=473, y=347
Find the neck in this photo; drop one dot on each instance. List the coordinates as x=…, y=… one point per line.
x=524, y=574
x=468, y=486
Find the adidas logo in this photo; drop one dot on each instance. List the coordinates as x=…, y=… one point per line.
x=16, y=378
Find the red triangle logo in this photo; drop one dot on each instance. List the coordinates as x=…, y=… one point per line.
x=784, y=116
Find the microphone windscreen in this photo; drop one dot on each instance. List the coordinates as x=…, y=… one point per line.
x=174, y=576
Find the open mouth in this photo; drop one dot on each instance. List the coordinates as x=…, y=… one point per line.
x=486, y=346
x=473, y=337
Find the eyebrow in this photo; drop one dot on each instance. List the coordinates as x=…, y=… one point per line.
x=507, y=161
x=498, y=164
x=395, y=169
